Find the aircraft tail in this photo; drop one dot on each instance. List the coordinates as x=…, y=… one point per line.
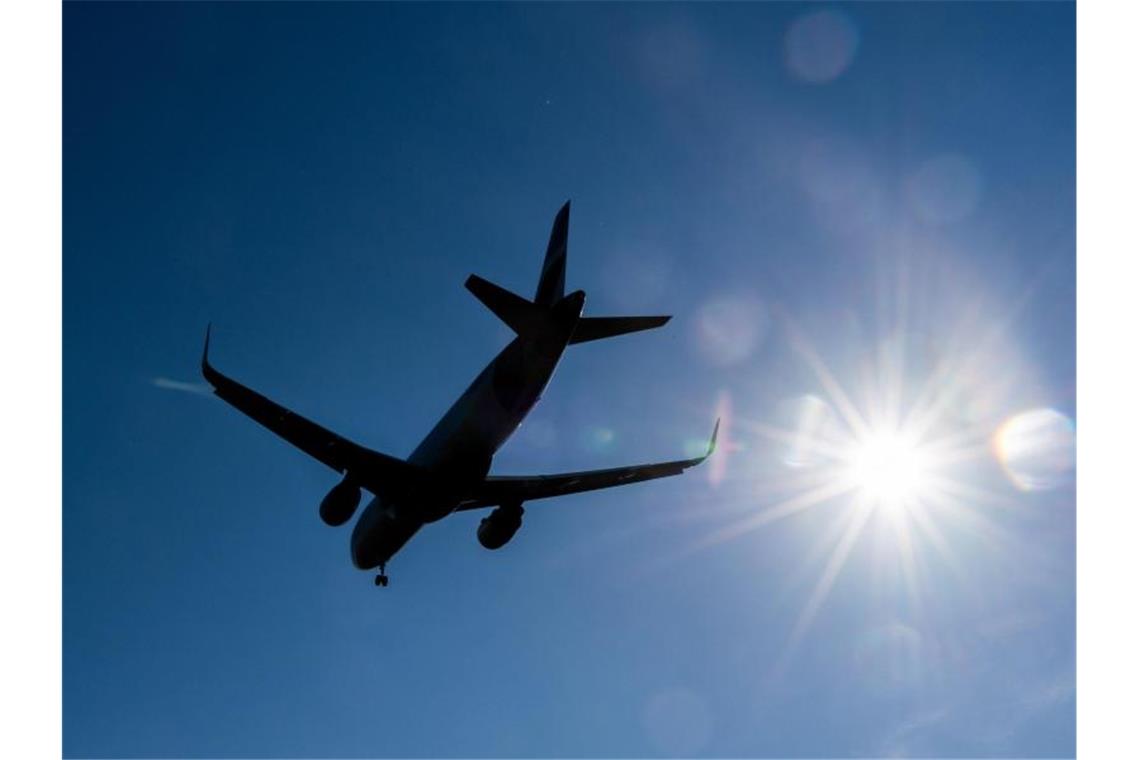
x=552, y=280
x=518, y=313
x=524, y=316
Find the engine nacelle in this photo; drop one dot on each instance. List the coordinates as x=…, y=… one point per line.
x=497, y=528
x=340, y=503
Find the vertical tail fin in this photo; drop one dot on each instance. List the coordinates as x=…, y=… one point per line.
x=525, y=316
x=552, y=281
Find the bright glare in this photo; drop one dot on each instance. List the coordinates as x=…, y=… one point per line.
x=903, y=454
x=889, y=469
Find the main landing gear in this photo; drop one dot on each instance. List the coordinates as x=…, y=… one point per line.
x=381, y=579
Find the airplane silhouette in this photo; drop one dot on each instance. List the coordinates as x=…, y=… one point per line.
x=448, y=471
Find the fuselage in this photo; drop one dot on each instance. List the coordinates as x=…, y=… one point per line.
x=459, y=449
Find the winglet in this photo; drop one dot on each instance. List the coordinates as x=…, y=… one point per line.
x=207, y=370
x=712, y=441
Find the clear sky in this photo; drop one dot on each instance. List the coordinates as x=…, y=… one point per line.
x=862, y=218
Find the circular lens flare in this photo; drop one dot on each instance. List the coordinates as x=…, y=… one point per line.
x=1037, y=449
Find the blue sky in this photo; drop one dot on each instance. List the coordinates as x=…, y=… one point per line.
x=869, y=201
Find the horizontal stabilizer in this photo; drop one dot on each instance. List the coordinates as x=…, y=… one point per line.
x=596, y=328
x=518, y=313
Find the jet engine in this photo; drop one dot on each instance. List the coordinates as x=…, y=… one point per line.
x=497, y=528
x=337, y=507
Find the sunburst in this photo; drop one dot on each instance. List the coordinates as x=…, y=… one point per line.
x=883, y=459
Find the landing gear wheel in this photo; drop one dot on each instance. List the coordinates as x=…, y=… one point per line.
x=381, y=579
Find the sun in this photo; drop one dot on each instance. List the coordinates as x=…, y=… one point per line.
x=894, y=458
x=888, y=468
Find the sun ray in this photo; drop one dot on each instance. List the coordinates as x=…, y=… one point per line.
x=908, y=559
x=904, y=449
x=820, y=549
x=966, y=517
x=932, y=533
x=784, y=509
x=818, y=445
x=834, y=564
x=826, y=379
x=930, y=405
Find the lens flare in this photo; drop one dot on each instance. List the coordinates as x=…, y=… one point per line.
x=729, y=329
x=598, y=438
x=819, y=46
x=1036, y=449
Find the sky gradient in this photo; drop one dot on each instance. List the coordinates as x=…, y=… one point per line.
x=870, y=203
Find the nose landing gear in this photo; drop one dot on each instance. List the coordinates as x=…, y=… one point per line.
x=381, y=579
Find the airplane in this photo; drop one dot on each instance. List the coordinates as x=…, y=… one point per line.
x=449, y=471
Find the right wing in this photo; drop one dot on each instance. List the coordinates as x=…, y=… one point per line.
x=377, y=472
x=496, y=490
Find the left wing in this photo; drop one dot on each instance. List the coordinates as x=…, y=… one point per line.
x=379, y=473
x=496, y=490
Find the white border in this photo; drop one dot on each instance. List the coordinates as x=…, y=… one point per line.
x=1108, y=426
x=1107, y=418
x=30, y=312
